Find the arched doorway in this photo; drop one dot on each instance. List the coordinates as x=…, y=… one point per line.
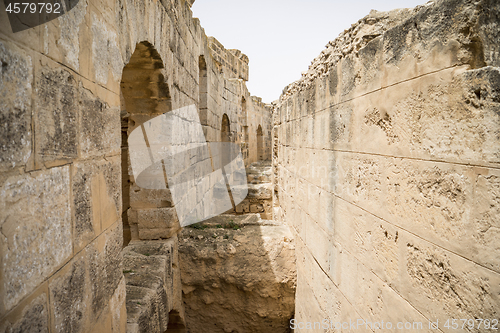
x=144, y=95
x=203, y=94
x=225, y=156
x=225, y=130
x=260, y=144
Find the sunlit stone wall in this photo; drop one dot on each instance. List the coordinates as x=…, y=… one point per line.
x=387, y=155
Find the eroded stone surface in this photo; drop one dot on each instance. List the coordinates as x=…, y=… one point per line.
x=460, y=291
x=105, y=268
x=36, y=230
x=56, y=116
x=386, y=158
x=238, y=274
x=95, y=184
x=15, y=110
x=100, y=125
x=156, y=223
x=35, y=318
x=70, y=311
x=151, y=293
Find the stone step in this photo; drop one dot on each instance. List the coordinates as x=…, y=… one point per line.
x=147, y=267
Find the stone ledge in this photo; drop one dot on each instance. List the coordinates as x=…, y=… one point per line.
x=147, y=267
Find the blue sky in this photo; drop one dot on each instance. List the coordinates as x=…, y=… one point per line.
x=282, y=37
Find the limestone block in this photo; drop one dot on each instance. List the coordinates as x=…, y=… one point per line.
x=56, y=114
x=444, y=285
x=369, y=64
x=96, y=198
x=260, y=191
x=70, y=310
x=36, y=230
x=374, y=242
x=318, y=242
x=143, y=304
x=455, y=120
x=308, y=310
x=34, y=317
x=29, y=38
x=104, y=322
x=137, y=275
x=60, y=39
x=359, y=178
x=375, y=300
x=443, y=29
x=141, y=251
x=100, y=125
x=146, y=198
x=157, y=223
x=435, y=201
x=103, y=257
x=117, y=306
x=15, y=110
x=149, y=276
x=106, y=57
x=256, y=208
x=243, y=207
x=486, y=218
x=340, y=125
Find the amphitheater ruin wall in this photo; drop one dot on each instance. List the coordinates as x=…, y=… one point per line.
x=373, y=181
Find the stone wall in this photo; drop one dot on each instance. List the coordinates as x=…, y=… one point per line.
x=387, y=155
x=67, y=107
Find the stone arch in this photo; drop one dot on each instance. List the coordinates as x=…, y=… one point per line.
x=225, y=130
x=260, y=144
x=225, y=136
x=203, y=94
x=144, y=95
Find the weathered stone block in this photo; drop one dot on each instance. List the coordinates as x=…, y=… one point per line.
x=15, y=110
x=454, y=120
x=260, y=191
x=36, y=228
x=96, y=198
x=56, y=115
x=371, y=240
x=118, y=309
x=146, y=198
x=433, y=200
x=70, y=309
x=256, y=208
x=157, y=223
x=34, y=317
x=145, y=310
x=149, y=275
x=486, y=219
x=29, y=38
x=100, y=125
x=61, y=39
x=105, y=267
x=243, y=207
x=106, y=56
x=443, y=285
